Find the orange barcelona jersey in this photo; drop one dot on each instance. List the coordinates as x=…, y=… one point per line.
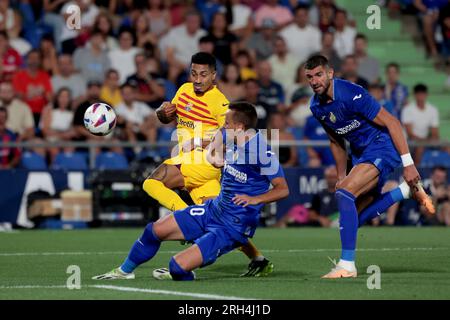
x=199, y=115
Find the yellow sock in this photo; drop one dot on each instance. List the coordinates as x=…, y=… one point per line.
x=165, y=196
x=250, y=250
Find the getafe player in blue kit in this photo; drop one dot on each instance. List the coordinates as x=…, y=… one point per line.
x=377, y=146
x=226, y=222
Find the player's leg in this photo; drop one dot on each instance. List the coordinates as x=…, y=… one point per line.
x=160, y=183
x=361, y=179
x=145, y=247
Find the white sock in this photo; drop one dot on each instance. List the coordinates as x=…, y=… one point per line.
x=405, y=189
x=258, y=258
x=347, y=265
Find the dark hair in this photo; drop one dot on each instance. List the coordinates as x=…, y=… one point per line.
x=38, y=51
x=109, y=71
x=131, y=31
x=361, y=36
x=327, y=32
x=214, y=17
x=206, y=39
x=243, y=52
x=420, y=87
x=128, y=84
x=3, y=109
x=301, y=7
x=251, y=80
x=394, y=65
x=4, y=34
x=204, y=58
x=55, y=99
x=316, y=61
x=245, y=113
x=376, y=86
x=439, y=168
x=344, y=12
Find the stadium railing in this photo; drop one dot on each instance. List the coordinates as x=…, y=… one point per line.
x=92, y=146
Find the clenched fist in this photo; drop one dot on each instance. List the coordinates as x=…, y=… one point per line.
x=167, y=112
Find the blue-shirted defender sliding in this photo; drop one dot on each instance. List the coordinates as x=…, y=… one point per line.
x=377, y=147
x=226, y=222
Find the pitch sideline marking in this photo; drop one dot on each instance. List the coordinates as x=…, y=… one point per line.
x=139, y=290
x=74, y=253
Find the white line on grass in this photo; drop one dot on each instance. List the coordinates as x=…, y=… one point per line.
x=81, y=253
x=138, y=290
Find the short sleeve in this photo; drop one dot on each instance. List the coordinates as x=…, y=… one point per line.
x=363, y=103
x=435, y=119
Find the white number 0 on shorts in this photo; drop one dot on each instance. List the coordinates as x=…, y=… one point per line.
x=197, y=211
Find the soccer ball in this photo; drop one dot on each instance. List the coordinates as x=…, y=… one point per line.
x=100, y=119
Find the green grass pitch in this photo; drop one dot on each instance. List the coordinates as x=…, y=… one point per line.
x=414, y=264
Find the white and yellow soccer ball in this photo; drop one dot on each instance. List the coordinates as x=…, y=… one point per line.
x=100, y=119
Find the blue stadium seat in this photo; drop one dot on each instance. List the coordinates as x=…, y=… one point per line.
x=432, y=158
x=111, y=160
x=33, y=161
x=70, y=161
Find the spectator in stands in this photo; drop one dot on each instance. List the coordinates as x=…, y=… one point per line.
x=395, y=91
x=208, y=8
x=33, y=85
x=284, y=64
x=225, y=43
x=429, y=14
x=368, y=66
x=326, y=16
x=49, y=55
x=231, y=84
x=344, y=36
x=10, y=58
x=122, y=58
x=9, y=157
x=277, y=131
x=299, y=110
x=241, y=25
x=317, y=156
x=263, y=110
x=270, y=92
x=260, y=43
x=180, y=43
x=281, y=15
x=57, y=118
x=54, y=19
x=324, y=210
x=110, y=91
x=143, y=33
x=376, y=90
x=103, y=23
x=303, y=39
x=68, y=78
x=349, y=71
x=300, y=83
x=329, y=52
x=150, y=86
x=69, y=36
x=92, y=60
x=11, y=23
x=92, y=96
x=159, y=17
x=440, y=193
x=20, y=119
x=421, y=120
x=206, y=44
x=137, y=120
x=245, y=63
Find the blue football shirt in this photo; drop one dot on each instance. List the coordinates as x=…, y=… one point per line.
x=350, y=115
x=248, y=170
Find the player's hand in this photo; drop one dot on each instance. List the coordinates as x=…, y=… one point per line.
x=245, y=200
x=411, y=175
x=166, y=112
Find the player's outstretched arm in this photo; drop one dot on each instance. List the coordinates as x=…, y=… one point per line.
x=167, y=112
x=279, y=191
x=385, y=119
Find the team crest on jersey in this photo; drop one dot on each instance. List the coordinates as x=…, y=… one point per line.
x=189, y=107
x=332, y=117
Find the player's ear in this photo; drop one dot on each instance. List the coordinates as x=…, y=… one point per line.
x=330, y=72
x=214, y=73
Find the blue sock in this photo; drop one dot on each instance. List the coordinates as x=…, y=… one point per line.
x=380, y=205
x=143, y=250
x=348, y=222
x=178, y=273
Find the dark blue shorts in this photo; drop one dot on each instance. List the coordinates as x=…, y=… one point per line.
x=212, y=237
x=383, y=155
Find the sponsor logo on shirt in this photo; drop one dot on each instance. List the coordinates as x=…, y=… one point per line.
x=238, y=175
x=189, y=124
x=352, y=126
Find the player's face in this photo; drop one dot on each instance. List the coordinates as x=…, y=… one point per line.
x=319, y=79
x=202, y=76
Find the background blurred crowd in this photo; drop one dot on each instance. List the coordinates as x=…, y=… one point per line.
x=134, y=54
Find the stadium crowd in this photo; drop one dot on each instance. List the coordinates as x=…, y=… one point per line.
x=134, y=54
